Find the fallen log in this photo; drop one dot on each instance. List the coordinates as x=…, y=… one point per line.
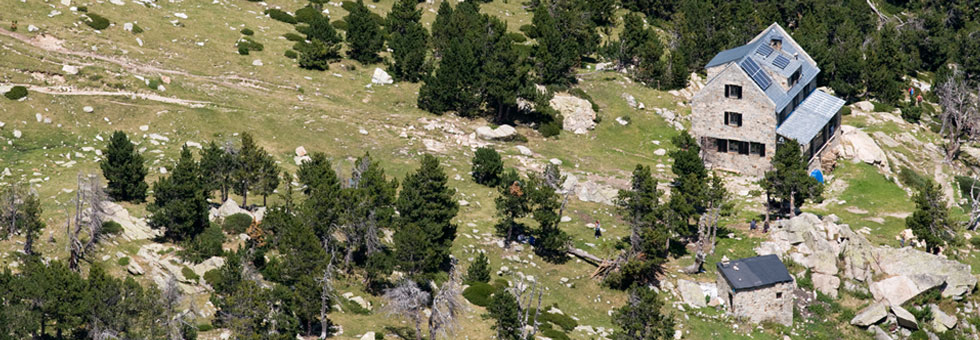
x=585, y=256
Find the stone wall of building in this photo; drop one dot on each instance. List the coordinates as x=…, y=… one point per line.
x=760, y=304
x=708, y=109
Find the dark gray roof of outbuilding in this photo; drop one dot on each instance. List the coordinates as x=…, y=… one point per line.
x=754, y=272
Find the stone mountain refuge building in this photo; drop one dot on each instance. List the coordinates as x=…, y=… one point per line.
x=757, y=95
x=757, y=288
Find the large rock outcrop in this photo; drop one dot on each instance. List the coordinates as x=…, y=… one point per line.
x=133, y=228
x=858, y=145
x=578, y=115
x=503, y=132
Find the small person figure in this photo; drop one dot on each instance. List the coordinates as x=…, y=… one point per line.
x=752, y=225
x=765, y=227
x=598, y=230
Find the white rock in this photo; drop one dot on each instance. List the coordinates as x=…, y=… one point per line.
x=180, y=15
x=139, y=41
x=17, y=134
x=38, y=117
x=158, y=137
x=381, y=77
x=523, y=150
x=69, y=69
x=32, y=28
x=144, y=127
x=117, y=2
x=193, y=144
x=163, y=170
x=577, y=112
x=555, y=161
x=501, y=132
x=362, y=131
x=66, y=2
x=622, y=121
x=128, y=27
x=88, y=109
x=257, y=62
x=660, y=152
x=368, y=335
x=300, y=151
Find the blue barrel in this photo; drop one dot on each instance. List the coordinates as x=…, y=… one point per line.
x=816, y=173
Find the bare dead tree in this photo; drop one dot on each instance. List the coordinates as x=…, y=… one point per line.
x=447, y=305
x=408, y=300
x=961, y=113
x=707, y=228
x=525, y=297
x=90, y=212
x=974, y=200
x=170, y=299
x=327, y=294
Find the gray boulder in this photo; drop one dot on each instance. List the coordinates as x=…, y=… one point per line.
x=911, y=262
x=134, y=268
x=870, y=315
x=578, y=115
x=896, y=290
x=940, y=320
x=691, y=293
x=905, y=319
x=880, y=334
x=502, y=132
x=230, y=207
x=826, y=284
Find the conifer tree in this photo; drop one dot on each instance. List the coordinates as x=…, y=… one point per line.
x=505, y=311
x=364, y=34
x=368, y=205
x=457, y=83
x=324, y=45
x=506, y=76
x=248, y=167
x=642, y=318
x=123, y=169
x=931, y=221
x=321, y=208
x=564, y=33
x=218, y=164
x=886, y=66
x=691, y=182
x=180, y=201
x=479, y=271
x=441, y=31
x=788, y=180
x=487, y=166
x=408, y=40
x=640, y=207
x=268, y=178
x=427, y=208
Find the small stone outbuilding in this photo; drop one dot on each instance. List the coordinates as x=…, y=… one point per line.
x=757, y=289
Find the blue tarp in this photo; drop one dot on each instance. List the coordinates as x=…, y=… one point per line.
x=816, y=173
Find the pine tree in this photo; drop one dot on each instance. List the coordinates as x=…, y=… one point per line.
x=931, y=221
x=886, y=67
x=124, y=170
x=456, y=85
x=640, y=207
x=441, y=31
x=479, y=271
x=317, y=55
x=505, y=311
x=364, y=34
x=427, y=208
x=552, y=242
x=368, y=205
x=248, y=167
x=302, y=253
x=564, y=33
x=321, y=208
x=512, y=203
x=789, y=181
x=20, y=213
x=320, y=29
x=642, y=318
x=180, y=201
x=487, y=166
x=506, y=77
x=218, y=164
x=408, y=40
x=691, y=182
x=268, y=178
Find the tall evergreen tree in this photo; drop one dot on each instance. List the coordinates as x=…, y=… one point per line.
x=506, y=75
x=479, y=271
x=564, y=33
x=427, y=208
x=688, y=195
x=640, y=207
x=457, y=83
x=642, y=318
x=123, y=169
x=930, y=221
x=324, y=45
x=180, y=201
x=408, y=40
x=441, y=31
x=368, y=205
x=788, y=180
x=248, y=167
x=321, y=208
x=505, y=311
x=218, y=164
x=268, y=178
x=363, y=35
x=886, y=67
x=20, y=213
x=487, y=166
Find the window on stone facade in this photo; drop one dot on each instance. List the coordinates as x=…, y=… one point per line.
x=779, y=295
x=758, y=149
x=722, y=145
x=733, y=91
x=738, y=146
x=733, y=119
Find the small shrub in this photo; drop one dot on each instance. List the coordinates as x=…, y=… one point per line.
x=189, y=274
x=912, y=179
x=237, y=223
x=529, y=31
x=478, y=293
x=882, y=107
x=479, y=271
x=248, y=31
x=249, y=45
x=561, y=320
x=517, y=37
x=137, y=29
x=281, y=16
x=805, y=282
x=340, y=25
x=348, y=5
x=845, y=111
x=293, y=37
x=111, y=227
x=154, y=84
x=353, y=307
x=123, y=261
x=204, y=327
x=212, y=276
x=290, y=54
x=242, y=50
x=550, y=129
x=83, y=9
x=911, y=113
x=96, y=21
x=204, y=245
x=16, y=92
x=306, y=14
x=487, y=167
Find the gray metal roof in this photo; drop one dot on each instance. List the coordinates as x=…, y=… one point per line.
x=810, y=117
x=754, y=272
x=750, y=50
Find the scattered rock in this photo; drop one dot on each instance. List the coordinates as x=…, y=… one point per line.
x=523, y=150
x=180, y=15
x=69, y=69
x=578, y=115
x=257, y=62
x=660, y=152
x=17, y=133
x=880, y=334
x=870, y=315
x=691, y=293
x=940, y=320
x=128, y=27
x=502, y=132
x=230, y=207
x=133, y=228
x=88, y=109
x=622, y=121
x=32, y=28
x=826, y=284
x=381, y=77
x=300, y=151
x=368, y=336
x=144, y=128
x=905, y=319
x=865, y=106
x=134, y=268
x=630, y=100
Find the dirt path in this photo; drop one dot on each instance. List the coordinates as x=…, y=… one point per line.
x=70, y=91
x=52, y=44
